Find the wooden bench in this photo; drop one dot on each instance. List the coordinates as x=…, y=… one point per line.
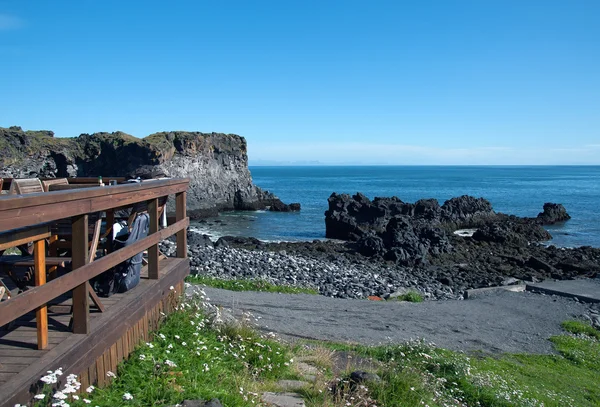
x=58, y=181
x=9, y=262
x=25, y=186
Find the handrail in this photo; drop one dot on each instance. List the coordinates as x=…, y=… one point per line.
x=31, y=299
x=22, y=211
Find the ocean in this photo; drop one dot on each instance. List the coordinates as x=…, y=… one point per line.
x=517, y=190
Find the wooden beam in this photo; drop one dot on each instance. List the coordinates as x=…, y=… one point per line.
x=110, y=221
x=33, y=298
x=20, y=211
x=79, y=248
x=181, y=213
x=26, y=234
x=41, y=314
x=53, y=251
x=153, y=250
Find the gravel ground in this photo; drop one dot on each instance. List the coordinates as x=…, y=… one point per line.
x=497, y=322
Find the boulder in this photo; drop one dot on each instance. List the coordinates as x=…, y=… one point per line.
x=552, y=214
x=277, y=206
x=197, y=239
x=370, y=245
x=466, y=211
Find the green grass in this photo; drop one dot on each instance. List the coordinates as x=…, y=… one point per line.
x=417, y=372
x=411, y=296
x=192, y=359
x=578, y=327
x=248, y=285
x=189, y=360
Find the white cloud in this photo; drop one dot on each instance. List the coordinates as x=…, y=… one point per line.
x=8, y=22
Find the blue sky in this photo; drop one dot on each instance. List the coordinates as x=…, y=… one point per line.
x=334, y=82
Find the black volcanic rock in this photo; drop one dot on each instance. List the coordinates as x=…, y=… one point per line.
x=277, y=206
x=411, y=233
x=553, y=213
x=466, y=211
x=370, y=245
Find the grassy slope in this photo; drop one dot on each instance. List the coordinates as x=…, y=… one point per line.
x=188, y=359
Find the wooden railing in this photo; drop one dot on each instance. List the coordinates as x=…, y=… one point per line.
x=25, y=217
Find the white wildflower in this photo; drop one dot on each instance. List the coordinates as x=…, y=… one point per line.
x=39, y=396
x=127, y=396
x=60, y=395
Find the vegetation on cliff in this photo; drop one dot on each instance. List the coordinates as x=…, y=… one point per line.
x=93, y=153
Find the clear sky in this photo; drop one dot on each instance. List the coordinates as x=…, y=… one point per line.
x=352, y=82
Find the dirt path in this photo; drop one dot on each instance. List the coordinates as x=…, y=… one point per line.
x=498, y=322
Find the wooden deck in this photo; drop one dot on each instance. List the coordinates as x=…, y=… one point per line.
x=40, y=335
x=127, y=320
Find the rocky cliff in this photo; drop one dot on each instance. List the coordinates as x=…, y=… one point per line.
x=216, y=163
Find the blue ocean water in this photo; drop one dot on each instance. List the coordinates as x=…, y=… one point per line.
x=518, y=190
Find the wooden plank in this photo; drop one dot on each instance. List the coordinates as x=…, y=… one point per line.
x=93, y=180
x=78, y=351
x=4, y=377
x=55, y=181
x=17, y=237
x=41, y=314
x=120, y=350
x=153, y=250
x=107, y=368
x=100, y=372
x=127, y=342
x=6, y=350
x=113, y=358
x=79, y=245
x=146, y=328
x=53, y=251
x=17, y=359
x=33, y=298
x=84, y=379
x=110, y=221
x=26, y=186
x=93, y=374
x=16, y=212
x=180, y=213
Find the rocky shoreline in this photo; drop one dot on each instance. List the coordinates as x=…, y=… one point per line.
x=387, y=254
x=335, y=269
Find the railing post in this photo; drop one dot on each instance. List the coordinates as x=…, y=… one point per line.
x=110, y=221
x=41, y=314
x=180, y=214
x=153, y=250
x=79, y=255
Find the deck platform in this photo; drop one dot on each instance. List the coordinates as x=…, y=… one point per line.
x=128, y=320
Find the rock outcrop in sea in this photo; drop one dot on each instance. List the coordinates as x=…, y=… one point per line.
x=410, y=233
x=216, y=163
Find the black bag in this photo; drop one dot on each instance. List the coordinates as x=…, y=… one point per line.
x=126, y=275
